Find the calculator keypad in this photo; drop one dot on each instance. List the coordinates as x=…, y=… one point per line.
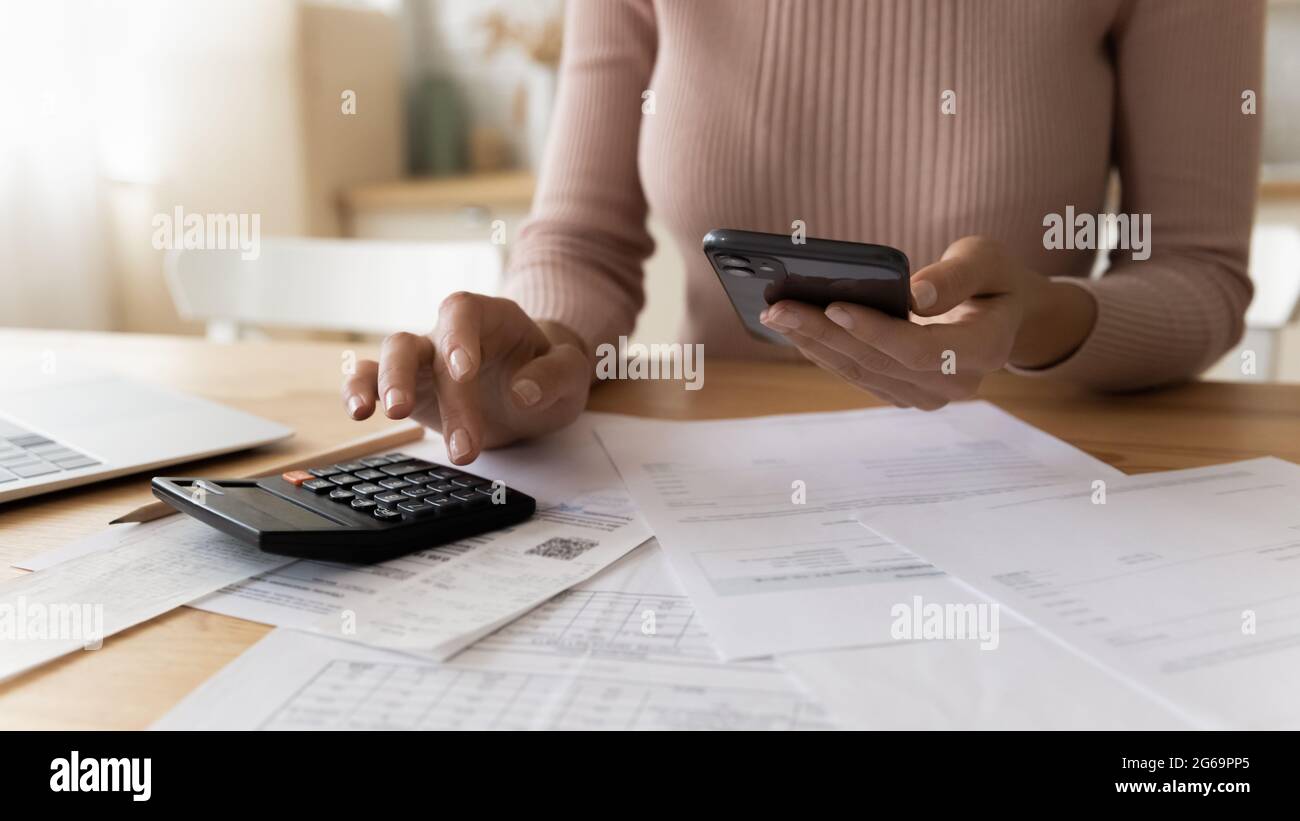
x=396, y=486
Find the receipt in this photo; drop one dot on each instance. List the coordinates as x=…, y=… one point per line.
x=620, y=651
x=152, y=568
x=447, y=608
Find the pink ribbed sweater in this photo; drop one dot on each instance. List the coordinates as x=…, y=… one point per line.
x=829, y=111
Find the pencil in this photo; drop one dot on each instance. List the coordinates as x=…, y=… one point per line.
x=364, y=446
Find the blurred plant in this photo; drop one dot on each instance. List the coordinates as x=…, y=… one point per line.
x=540, y=40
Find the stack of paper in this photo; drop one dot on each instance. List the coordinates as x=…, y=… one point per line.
x=757, y=515
x=621, y=651
x=462, y=590
x=1185, y=584
x=798, y=562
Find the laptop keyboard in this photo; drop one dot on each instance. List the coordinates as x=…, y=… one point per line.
x=24, y=455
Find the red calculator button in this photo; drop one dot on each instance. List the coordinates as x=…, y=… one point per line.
x=297, y=477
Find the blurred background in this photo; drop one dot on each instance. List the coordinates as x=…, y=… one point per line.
x=383, y=121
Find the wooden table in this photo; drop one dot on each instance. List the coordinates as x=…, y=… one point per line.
x=140, y=674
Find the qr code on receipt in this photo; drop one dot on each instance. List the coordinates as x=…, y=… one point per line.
x=562, y=547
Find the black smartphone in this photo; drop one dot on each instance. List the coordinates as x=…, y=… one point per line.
x=758, y=270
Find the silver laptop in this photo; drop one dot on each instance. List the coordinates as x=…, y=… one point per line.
x=77, y=425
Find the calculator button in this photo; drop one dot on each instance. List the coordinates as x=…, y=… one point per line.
x=319, y=485
x=394, y=484
x=472, y=498
x=441, y=487
x=445, y=504
x=385, y=513
x=362, y=504
x=416, y=492
x=400, y=470
x=344, y=479
x=376, y=461
x=348, y=467
x=415, y=508
x=366, y=489
x=398, y=457
x=487, y=490
x=324, y=473
x=369, y=474
x=467, y=481
x=391, y=498
x=297, y=477
x=342, y=495
x=446, y=473
x=418, y=478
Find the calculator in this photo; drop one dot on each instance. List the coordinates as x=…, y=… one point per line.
x=367, y=510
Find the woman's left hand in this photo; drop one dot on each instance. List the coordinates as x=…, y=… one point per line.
x=978, y=309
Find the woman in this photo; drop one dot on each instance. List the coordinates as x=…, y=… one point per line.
x=952, y=130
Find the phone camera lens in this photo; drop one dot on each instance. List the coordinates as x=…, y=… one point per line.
x=730, y=261
x=739, y=272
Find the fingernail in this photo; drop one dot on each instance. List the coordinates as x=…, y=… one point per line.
x=459, y=363
x=924, y=294
x=394, y=397
x=354, y=406
x=459, y=444
x=762, y=317
x=783, y=319
x=528, y=391
x=840, y=317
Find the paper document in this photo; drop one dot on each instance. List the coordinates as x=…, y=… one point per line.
x=1186, y=584
x=439, y=612
x=756, y=515
x=149, y=569
x=621, y=651
x=1029, y=682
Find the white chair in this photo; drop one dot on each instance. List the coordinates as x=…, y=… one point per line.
x=1275, y=271
x=362, y=286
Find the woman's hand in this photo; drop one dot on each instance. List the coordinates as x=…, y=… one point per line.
x=978, y=310
x=487, y=376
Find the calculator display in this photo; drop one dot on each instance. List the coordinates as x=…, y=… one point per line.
x=269, y=507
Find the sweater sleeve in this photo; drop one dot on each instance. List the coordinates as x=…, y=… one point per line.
x=1188, y=155
x=578, y=259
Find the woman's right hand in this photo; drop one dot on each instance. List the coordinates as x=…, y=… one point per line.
x=487, y=376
